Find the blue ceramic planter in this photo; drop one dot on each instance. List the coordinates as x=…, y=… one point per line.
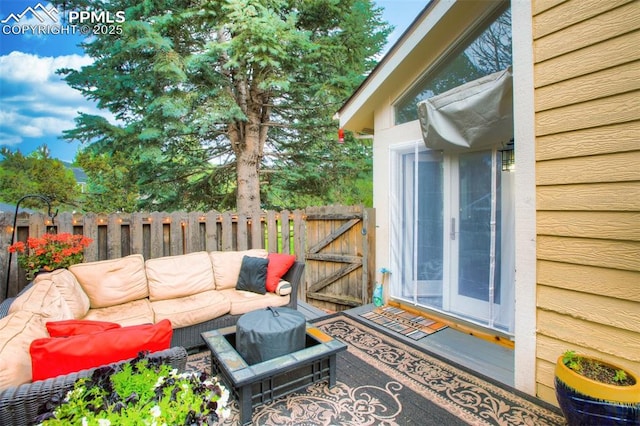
x=605, y=405
x=582, y=410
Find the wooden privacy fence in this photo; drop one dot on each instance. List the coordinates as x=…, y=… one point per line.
x=160, y=234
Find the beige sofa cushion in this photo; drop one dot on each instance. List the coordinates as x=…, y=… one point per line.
x=171, y=277
x=130, y=313
x=45, y=299
x=192, y=309
x=112, y=282
x=226, y=265
x=70, y=289
x=246, y=301
x=17, y=331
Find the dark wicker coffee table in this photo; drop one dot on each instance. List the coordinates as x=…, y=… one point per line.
x=260, y=383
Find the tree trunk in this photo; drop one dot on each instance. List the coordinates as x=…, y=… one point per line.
x=248, y=139
x=248, y=180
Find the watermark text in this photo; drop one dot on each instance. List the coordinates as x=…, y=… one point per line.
x=42, y=20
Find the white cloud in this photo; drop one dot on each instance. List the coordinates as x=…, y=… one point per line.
x=34, y=101
x=30, y=131
x=9, y=140
x=20, y=67
x=44, y=126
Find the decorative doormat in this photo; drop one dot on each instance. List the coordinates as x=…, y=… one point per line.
x=385, y=381
x=410, y=325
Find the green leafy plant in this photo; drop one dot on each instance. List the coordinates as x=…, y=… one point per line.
x=572, y=360
x=144, y=391
x=49, y=252
x=595, y=370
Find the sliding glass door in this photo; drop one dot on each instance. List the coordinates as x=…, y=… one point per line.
x=454, y=233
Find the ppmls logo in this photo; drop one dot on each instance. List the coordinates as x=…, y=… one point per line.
x=39, y=12
x=40, y=20
x=37, y=21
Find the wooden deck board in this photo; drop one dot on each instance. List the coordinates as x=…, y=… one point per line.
x=310, y=312
x=489, y=359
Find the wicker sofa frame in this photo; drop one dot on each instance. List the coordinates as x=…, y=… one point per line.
x=20, y=405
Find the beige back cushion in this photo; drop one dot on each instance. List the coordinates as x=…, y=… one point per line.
x=45, y=299
x=17, y=331
x=178, y=276
x=226, y=265
x=113, y=282
x=70, y=289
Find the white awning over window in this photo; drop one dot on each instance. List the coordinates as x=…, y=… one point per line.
x=476, y=115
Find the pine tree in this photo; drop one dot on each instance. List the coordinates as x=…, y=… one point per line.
x=207, y=93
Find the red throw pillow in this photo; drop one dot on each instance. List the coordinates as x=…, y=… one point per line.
x=279, y=264
x=74, y=327
x=55, y=356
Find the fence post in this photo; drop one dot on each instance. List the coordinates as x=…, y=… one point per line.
x=211, y=231
x=368, y=253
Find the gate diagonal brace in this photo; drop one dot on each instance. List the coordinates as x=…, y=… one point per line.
x=313, y=288
x=328, y=239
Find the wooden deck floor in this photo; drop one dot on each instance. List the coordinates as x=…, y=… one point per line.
x=481, y=356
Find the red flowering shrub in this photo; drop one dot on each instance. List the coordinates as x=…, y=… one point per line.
x=49, y=252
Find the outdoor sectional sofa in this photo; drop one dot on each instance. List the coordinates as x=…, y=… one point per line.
x=195, y=292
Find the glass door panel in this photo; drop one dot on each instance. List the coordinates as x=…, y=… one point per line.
x=474, y=251
x=422, y=243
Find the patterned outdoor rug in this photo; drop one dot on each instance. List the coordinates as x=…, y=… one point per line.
x=383, y=381
x=410, y=325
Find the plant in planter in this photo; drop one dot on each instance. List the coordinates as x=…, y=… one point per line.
x=49, y=252
x=595, y=392
x=143, y=391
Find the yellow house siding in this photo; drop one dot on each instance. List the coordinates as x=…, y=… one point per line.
x=570, y=37
x=587, y=127
x=597, y=140
x=590, y=337
x=616, y=51
x=619, y=283
x=617, y=196
x=619, y=167
x=608, y=82
x=597, y=112
x=554, y=15
x=586, y=251
x=587, y=307
x=587, y=224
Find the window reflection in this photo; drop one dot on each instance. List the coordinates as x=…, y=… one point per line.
x=485, y=54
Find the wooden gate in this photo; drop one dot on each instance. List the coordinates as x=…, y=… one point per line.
x=339, y=260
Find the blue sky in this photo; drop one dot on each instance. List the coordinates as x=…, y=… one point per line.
x=36, y=105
